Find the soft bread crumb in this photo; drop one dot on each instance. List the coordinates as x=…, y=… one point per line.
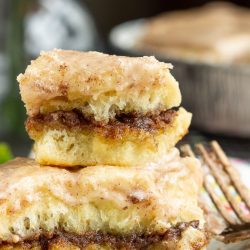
x=81, y=147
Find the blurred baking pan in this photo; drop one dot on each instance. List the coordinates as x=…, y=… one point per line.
x=218, y=95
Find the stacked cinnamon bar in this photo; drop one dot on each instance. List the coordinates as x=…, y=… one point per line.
x=106, y=173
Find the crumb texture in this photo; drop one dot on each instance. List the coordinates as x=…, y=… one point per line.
x=63, y=146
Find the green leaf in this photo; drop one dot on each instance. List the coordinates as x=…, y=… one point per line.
x=5, y=153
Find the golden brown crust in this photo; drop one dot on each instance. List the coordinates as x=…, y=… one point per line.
x=99, y=84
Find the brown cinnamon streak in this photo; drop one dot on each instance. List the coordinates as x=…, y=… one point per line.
x=133, y=241
x=150, y=122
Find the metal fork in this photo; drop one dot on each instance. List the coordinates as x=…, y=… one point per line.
x=225, y=199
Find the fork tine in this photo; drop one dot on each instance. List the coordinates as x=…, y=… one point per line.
x=233, y=173
x=220, y=177
x=233, y=220
x=187, y=151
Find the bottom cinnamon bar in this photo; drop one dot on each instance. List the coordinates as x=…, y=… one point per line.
x=102, y=207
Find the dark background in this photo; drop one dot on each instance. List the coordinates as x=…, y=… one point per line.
x=109, y=13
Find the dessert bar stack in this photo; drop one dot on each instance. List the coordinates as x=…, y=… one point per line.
x=106, y=173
